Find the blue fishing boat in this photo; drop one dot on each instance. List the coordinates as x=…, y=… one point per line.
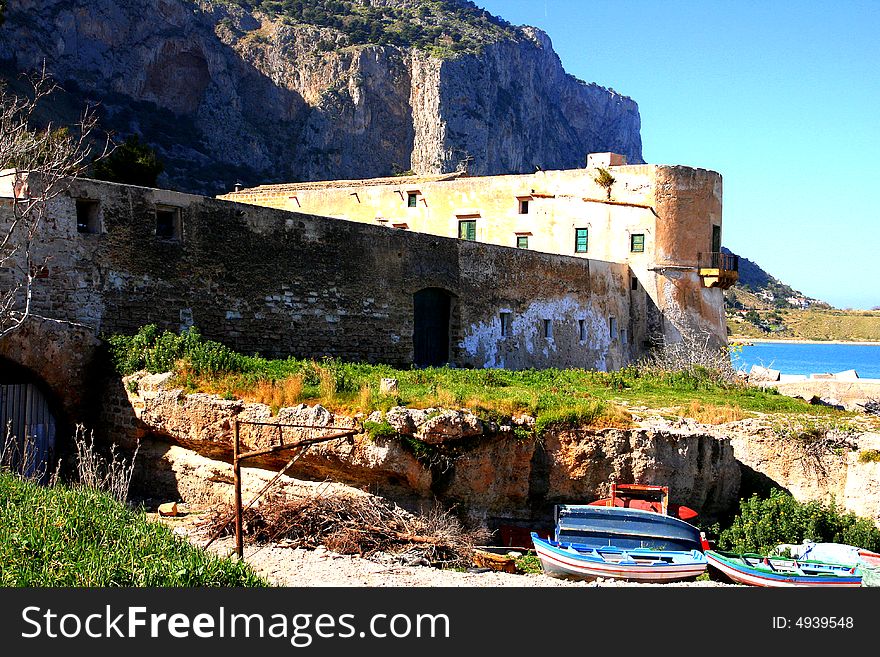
x=774, y=571
x=585, y=562
x=597, y=526
x=630, y=544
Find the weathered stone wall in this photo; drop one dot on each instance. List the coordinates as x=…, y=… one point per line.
x=279, y=283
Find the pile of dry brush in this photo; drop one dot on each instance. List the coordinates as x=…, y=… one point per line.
x=356, y=525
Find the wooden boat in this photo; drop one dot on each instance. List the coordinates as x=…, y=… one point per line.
x=647, y=498
x=762, y=570
x=630, y=544
x=850, y=555
x=599, y=526
x=584, y=562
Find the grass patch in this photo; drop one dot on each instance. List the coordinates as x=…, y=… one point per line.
x=553, y=396
x=712, y=413
x=82, y=537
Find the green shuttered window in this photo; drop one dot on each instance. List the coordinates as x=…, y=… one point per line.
x=467, y=229
x=581, y=240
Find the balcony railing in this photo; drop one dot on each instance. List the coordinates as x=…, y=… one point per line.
x=716, y=260
x=718, y=269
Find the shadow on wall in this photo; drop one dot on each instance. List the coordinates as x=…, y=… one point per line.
x=153, y=480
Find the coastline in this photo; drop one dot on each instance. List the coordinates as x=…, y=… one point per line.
x=743, y=340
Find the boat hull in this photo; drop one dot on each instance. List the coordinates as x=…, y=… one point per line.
x=600, y=526
x=585, y=563
x=743, y=571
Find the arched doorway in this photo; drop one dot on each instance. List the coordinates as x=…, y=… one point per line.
x=28, y=422
x=431, y=312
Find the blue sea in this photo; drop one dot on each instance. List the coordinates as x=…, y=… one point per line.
x=795, y=358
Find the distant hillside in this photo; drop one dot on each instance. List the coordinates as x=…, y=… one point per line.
x=762, y=306
x=767, y=290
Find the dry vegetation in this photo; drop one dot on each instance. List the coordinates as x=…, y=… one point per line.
x=355, y=525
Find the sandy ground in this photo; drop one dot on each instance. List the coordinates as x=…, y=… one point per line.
x=294, y=567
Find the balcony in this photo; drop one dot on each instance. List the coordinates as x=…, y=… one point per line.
x=718, y=269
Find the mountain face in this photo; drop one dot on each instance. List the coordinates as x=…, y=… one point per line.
x=261, y=92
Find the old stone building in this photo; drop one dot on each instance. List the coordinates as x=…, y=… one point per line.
x=113, y=258
x=662, y=222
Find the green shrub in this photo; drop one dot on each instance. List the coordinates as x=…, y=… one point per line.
x=764, y=523
x=379, y=429
x=869, y=456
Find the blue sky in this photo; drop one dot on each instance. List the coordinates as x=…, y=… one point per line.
x=782, y=98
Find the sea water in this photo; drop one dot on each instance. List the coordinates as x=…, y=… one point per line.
x=811, y=358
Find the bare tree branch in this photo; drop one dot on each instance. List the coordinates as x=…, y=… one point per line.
x=37, y=164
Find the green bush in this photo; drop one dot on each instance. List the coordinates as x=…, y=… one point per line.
x=82, y=537
x=379, y=429
x=764, y=523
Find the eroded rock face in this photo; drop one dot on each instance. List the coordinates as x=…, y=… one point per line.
x=489, y=472
x=214, y=85
x=823, y=468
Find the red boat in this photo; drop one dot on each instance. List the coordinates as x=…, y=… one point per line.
x=647, y=498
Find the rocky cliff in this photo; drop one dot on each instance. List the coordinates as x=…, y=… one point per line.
x=226, y=92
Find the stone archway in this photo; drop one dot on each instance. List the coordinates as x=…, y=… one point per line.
x=46, y=370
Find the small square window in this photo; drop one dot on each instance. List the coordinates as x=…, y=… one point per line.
x=637, y=242
x=168, y=223
x=412, y=199
x=548, y=328
x=505, y=324
x=523, y=206
x=522, y=241
x=87, y=220
x=581, y=240
x=467, y=229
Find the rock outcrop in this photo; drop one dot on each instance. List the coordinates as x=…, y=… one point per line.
x=494, y=474
x=224, y=92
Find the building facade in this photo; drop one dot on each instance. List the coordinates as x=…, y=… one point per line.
x=662, y=222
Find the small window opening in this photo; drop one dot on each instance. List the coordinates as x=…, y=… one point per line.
x=522, y=241
x=624, y=336
x=612, y=327
x=412, y=200
x=637, y=242
x=505, y=324
x=548, y=328
x=467, y=229
x=581, y=240
x=524, y=206
x=582, y=330
x=634, y=283
x=87, y=216
x=168, y=223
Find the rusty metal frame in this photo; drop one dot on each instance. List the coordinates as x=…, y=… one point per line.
x=238, y=456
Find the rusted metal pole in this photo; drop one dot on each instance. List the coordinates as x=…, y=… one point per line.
x=236, y=479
